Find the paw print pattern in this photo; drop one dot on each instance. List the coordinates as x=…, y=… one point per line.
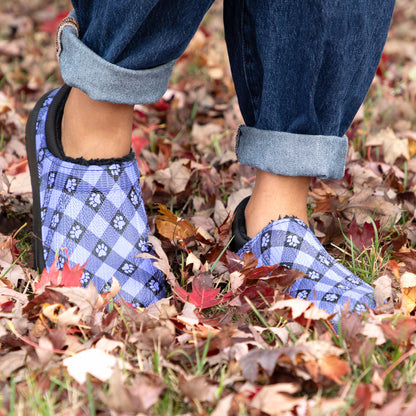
x=42, y=215
x=56, y=218
x=343, y=286
x=76, y=232
x=86, y=278
x=265, y=241
x=313, y=275
x=119, y=222
x=51, y=180
x=128, y=268
x=101, y=250
x=322, y=259
x=303, y=294
x=60, y=263
x=359, y=307
x=153, y=285
x=114, y=170
x=142, y=245
x=331, y=297
x=354, y=280
x=95, y=200
x=292, y=240
x=134, y=198
x=71, y=185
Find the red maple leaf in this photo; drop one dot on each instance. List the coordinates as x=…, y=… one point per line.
x=68, y=277
x=364, y=238
x=203, y=295
x=138, y=144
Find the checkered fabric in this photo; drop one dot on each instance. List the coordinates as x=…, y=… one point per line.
x=290, y=242
x=96, y=213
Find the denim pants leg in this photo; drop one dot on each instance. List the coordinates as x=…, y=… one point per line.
x=301, y=68
x=124, y=51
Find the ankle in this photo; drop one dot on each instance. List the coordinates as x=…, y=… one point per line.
x=95, y=129
x=275, y=197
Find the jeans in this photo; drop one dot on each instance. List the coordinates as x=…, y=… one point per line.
x=301, y=68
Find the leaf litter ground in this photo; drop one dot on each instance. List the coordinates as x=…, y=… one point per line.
x=227, y=341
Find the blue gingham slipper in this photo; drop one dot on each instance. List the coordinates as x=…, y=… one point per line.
x=291, y=243
x=92, y=209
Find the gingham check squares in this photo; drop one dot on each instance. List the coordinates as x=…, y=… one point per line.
x=328, y=284
x=96, y=213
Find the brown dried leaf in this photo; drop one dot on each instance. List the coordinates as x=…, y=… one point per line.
x=276, y=399
x=198, y=388
x=172, y=227
x=393, y=147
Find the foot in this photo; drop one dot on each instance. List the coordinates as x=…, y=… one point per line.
x=274, y=197
x=93, y=209
x=291, y=243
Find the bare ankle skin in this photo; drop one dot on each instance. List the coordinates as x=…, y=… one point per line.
x=95, y=129
x=275, y=196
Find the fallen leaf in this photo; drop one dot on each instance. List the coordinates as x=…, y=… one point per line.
x=198, y=388
x=276, y=399
x=408, y=286
x=203, y=295
x=393, y=147
x=93, y=361
x=172, y=227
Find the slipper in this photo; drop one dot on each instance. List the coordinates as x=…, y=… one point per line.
x=291, y=243
x=88, y=211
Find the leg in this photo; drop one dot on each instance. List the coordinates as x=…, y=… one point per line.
x=85, y=179
x=301, y=70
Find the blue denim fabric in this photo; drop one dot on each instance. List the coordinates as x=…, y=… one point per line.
x=301, y=68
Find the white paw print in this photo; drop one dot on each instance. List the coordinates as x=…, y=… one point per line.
x=153, y=285
x=119, y=222
x=292, y=240
x=265, y=240
x=94, y=200
x=60, y=263
x=75, y=232
x=314, y=275
x=330, y=297
x=128, y=268
x=143, y=246
x=134, y=198
x=51, y=179
x=55, y=220
x=303, y=294
x=114, y=169
x=71, y=185
x=323, y=260
x=86, y=277
x=353, y=279
x=359, y=307
x=101, y=250
x=343, y=287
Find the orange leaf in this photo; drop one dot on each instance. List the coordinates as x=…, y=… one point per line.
x=172, y=227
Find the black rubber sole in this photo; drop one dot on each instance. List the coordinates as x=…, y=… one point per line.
x=37, y=246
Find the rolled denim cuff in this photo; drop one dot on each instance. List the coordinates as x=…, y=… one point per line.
x=292, y=154
x=103, y=81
